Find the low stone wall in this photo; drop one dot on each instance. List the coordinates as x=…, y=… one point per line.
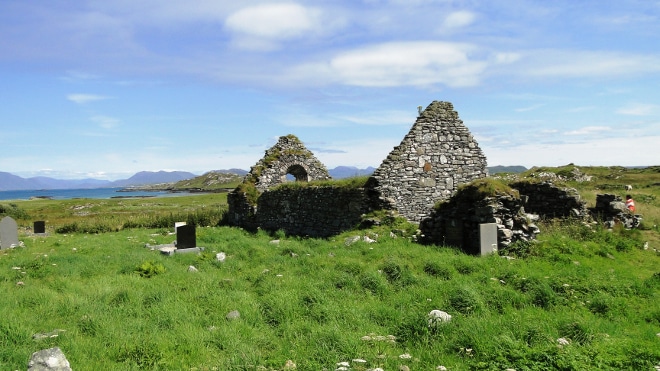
x=550, y=201
x=611, y=210
x=307, y=211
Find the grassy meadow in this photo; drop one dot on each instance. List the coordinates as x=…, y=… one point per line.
x=581, y=298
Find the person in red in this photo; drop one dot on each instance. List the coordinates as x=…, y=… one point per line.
x=630, y=204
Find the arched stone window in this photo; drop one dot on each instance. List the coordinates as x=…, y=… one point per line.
x=298, y=173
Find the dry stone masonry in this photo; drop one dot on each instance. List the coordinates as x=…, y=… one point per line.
x=457, y=222
x=288, y=156
x=433, y=159
x=611, y=209
x=550, y=201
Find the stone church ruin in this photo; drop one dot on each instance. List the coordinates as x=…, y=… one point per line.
x=436, y=156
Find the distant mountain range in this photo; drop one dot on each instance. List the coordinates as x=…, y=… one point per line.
x=11, y=182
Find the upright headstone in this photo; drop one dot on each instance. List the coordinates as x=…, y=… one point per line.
x=488, y=238
x=8, y=233
x=39, y=227
x=185, y=237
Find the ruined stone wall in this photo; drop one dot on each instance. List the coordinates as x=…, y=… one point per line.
x=433, y=159
x=436, y=156
x=312, y=211
x=550, y=201
x=456, y=223
x=240, y=212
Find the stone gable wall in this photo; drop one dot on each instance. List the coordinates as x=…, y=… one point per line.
x=288, y=156
x=433, y=159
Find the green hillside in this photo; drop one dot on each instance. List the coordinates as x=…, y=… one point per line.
x=211, y=181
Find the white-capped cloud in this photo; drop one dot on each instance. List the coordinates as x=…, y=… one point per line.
x=262, y=27
x=85, y=98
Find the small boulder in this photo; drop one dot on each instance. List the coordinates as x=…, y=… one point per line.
x=48, y=360
x=233, y=315
x=437, y=317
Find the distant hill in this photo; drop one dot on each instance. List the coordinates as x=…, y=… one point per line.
x=240, y=172
x=349, y=171
x=506, y=169
x=150, y=177
x=11, y=182
x=212, y=181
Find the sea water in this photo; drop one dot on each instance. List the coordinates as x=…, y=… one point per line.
x=64, y=194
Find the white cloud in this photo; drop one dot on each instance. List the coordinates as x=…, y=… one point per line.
x=589, y=130
x=419, y=63
x=529, y=108
x=85, y=98
x=580, y=64
x=505, y=58
x=106, y=122
x=593, y=152
x=459, y=19
x=637, y=109
x=386, y=117
x=262, y=27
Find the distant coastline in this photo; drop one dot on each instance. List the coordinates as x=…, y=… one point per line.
x=96, y=193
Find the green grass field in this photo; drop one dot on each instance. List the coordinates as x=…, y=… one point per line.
x=582, y=298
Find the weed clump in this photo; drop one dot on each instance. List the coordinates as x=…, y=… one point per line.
x=149, y=269
x=13, y=211
x=437, y=270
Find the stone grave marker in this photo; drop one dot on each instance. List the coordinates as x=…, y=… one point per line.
x=39, y=227
x=488, y=238
x=185, y=237
x=8, y=233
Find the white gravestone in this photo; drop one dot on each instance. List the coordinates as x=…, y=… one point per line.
x=8, y=233
x=488, y=238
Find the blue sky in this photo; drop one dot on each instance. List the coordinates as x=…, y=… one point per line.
x=103, y=89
